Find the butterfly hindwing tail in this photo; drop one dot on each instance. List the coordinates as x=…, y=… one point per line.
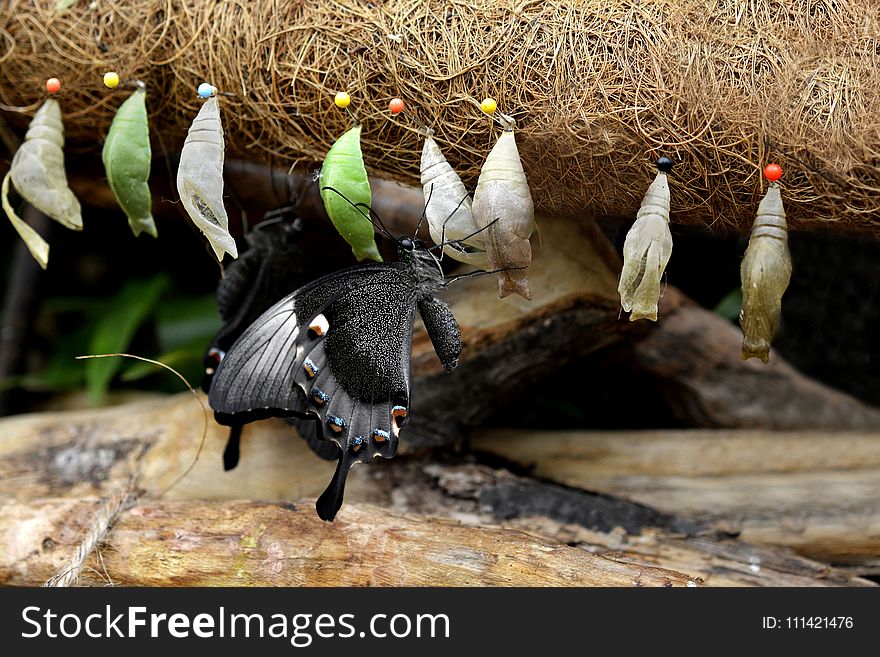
x=232, y=452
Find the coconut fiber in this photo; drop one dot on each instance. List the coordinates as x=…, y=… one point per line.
x=599, y=90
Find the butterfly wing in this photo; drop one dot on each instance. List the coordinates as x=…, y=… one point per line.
x=271, y=267
x=335, y=352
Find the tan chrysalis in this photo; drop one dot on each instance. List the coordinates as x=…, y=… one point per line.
x=765, y=272
x=503, y=207
x=647, y=249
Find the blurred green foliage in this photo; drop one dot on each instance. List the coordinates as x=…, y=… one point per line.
x=147, y=317
x=730, y=305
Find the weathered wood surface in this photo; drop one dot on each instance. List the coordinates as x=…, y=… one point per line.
x=244, y=543
x=252, y=544
x=605, y=525
x=70, y=461
x=818, y=493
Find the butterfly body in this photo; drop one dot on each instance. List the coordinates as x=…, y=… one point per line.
x=336, y=353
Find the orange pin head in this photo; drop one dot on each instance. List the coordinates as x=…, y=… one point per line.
x=773, y=172
x=53, y=85
x=396, y=105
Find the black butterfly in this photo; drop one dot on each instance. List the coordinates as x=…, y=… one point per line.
x=336, y=355
x=270, y=268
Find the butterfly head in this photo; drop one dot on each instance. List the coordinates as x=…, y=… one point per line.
x=428, y=271
x=407, y=246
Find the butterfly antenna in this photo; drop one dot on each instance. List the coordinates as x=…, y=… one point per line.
x=371, y=214
x=424, y=210
x=277, y=215
x=460, y=242
x=375, y=215
x=446, y=221
x=474, y=274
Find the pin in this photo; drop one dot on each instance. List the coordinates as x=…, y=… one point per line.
x=206, y=90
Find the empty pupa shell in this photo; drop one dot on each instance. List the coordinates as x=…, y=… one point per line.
x=765, y=272
x=200, y=179
x=38, y=174
x=646, y=251
x=126, y=157
x=448, y=208
x=345, y=190
x=503, y=194
x=38, y=247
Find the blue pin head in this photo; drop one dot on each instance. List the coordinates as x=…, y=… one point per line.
x=206, y=90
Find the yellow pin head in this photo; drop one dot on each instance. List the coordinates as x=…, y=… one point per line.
x=489, y=105
x=111, y=79
x=342, y=100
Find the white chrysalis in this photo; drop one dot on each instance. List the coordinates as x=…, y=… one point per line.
x=503, y=207
x=200, y=179
x=646, y=251
x=765, y=272
x=448, y=208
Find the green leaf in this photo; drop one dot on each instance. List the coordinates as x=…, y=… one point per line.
x=184, y=357
x=63, y=5
x=62, y=371
x=114, y=331
x=730, y=305
x=183, y=321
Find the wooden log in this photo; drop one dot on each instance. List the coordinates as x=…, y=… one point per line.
x=694, y=356
x=86, y=456
x=605, y=525
x=251, y=544
x=816, y=493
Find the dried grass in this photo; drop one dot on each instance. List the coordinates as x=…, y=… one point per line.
x=600, y=88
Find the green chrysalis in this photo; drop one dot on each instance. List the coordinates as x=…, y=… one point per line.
x=344, y=172
x=127, y=158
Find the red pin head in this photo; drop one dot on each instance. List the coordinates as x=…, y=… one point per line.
x=53, y=85
x=396, y=105
x=773, y=172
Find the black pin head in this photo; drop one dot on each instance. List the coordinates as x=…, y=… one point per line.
x=664, y=164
